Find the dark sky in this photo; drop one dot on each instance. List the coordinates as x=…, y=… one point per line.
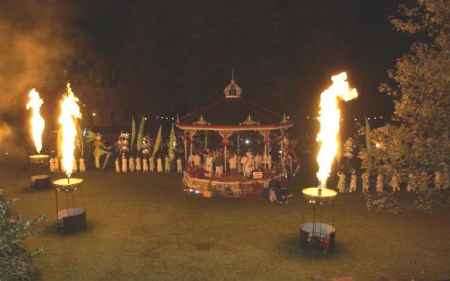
x=178, y=55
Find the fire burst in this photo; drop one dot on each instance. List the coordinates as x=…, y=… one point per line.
x=37, y=122
x=329, y=117
x=70, y=111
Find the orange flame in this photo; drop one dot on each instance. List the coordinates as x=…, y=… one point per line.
x=37, y=122
x=70, y=111
x=329, y=117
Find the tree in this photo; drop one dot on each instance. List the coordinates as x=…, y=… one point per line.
x=417, y=140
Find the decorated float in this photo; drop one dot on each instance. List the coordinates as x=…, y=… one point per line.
x=241, y=167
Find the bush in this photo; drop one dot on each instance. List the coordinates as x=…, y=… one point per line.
x=432, y=199
x=382, y=201
x=15, y=261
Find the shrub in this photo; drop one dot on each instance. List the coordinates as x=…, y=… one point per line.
x=15, y=261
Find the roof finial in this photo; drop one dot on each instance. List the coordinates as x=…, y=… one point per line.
x=232, y=74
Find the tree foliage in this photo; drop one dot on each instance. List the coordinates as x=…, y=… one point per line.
x=417, y=140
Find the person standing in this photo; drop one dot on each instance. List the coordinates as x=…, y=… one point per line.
x=159, y=165
x=395, y=182
x=380, y=183
x=341, y=182
x=353, y=181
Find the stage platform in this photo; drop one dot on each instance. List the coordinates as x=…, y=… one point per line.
x=233, y=186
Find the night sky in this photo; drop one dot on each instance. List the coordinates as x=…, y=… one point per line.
x=173, y=56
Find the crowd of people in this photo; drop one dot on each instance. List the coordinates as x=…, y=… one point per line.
x=211, y=163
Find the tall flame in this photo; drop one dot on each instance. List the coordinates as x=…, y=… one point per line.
x=37, y=122
x=70, y=111
x=329, y=117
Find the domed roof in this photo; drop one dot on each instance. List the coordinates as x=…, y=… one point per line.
x=233, y=112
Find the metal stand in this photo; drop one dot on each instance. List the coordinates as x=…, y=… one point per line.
x=39, y=167
x=315, y=234
x=69, y=219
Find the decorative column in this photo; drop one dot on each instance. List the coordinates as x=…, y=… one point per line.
x=266, y=135
x=283, y=152
x=225, y=141
x=186, y=136
x=191, y=141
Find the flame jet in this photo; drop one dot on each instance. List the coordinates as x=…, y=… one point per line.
x=37, y=121
x=70, y=111
x=329, y=118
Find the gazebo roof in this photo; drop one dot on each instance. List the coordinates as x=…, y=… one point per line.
x=232, y=112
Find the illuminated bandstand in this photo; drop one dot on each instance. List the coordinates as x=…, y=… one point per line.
x=237, y=125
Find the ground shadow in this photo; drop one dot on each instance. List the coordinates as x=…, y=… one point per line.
x=289, y=247
x=51, y=228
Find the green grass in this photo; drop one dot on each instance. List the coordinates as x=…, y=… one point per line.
x=143, y=227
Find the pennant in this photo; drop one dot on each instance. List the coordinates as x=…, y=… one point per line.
x=133, y=134
x=157, y=145
x=140, y=134
x=172, y=144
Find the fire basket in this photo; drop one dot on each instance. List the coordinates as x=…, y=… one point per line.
x=319, y=232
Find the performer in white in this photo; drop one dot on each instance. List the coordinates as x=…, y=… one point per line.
x=179, y=166
x=268, y=162
x=122, y=149
x=167, y=164
x=147, y=161
x=197, y=160
x=243, y=164
x=395, y=182
x=411, y=186
x=249, y=166
x=124, y=164
x=117, y=165
x=209, y=165
x=258, y=161
x=365, y=182
x=341, y=182
x=353, y=181
x=232, y=162
x=380, y=183
x=131, y=164
x=145, y=166
x=151, y=164
x=159, y=165
x=138, y=164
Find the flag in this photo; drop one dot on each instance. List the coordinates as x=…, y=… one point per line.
x=89, y=136
x=133, y=133
x=172, y=144
x=368, y=146
x=157, y=145
x=140, y=134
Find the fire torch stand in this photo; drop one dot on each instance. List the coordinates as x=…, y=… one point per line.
x=39, y=178
x=69, y=218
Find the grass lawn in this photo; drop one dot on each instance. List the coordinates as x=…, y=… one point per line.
x=143, y=227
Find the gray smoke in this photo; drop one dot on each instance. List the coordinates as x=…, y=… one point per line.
x=36, y=42
x=34, y=46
